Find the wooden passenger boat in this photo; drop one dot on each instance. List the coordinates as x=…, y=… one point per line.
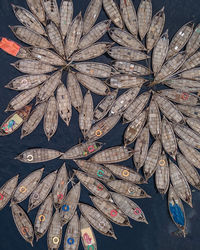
x=52, y=11
x=14, y=121
x=43, y=217
x=191, y=74
x=66, y=15
x=131, y=68
x=194, y=124
x=194, y=42
x=7, y=190
x=187, y=110
x=191, y=62
x=154, y=119
x=27, y=186
x=37, y=9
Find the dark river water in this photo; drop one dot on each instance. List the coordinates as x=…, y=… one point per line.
x=157, y=235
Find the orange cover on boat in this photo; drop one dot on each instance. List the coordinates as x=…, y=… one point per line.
x=9, y=46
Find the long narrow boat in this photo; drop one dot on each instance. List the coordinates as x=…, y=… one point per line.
x=97, y=220
x=128, y=189
x=51, y=10
x=194, y=42
x=125, y=173
x=42, y=191
x=95, y=170
x=60, y=187
x=131, y=68
x=43, y=217
x=23, y=223
x=176, y=210
x=93, y=185
x=72, y=235
x=129, y=207
x=111, y=211
x=66, y=15
x=70, y=204
x=191, y=74
x=87, y=235
x=54, y=235
x=191, y=62
x=82, y=150
x=187, y=110
x=194, y=124
x=154, y=119
x=180, y=184
x=36, y=155
x=112, y=155
x=27, y=186
x=37, y=9
x=7, y=190
x=14, y=121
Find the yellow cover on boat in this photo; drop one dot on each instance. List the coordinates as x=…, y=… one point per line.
x=87, y=236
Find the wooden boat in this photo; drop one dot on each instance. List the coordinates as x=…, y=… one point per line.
x=50, y=123
x=64, y=103
x=121, y=81
x=74, y=35
x=93, y=185
x=191, y=74
x=112, y=155
x=87, y=235
x=52, y=11
x=95, y=170
x=49, y=87
x=144, y=15
x=190, y=173
x=169, y=68
x=70, y=204
x=160, y=52
x=38, y=155
x=176, y=210
x=125, y=39
x=94, y=34
x=93, y=51
x=125, y=173
x=43, y=217
x=7, y=190
x=66, y=15
x=183, y=84
x=41, y=191
x=86, y=114
x=102, y=127
x=188, y=135
x=129, y=16
x=168, y=138
x=111, y=211
x=112, y=10
x=26, y=82
x=22, y=99
x=141, y=148
x=131, y=68
x=194, y=42
x=136, y=107
x=152, y=159
x=187, y=110
x=72, y=235
x=134, y=128
x=34, y=119
x=194, y=124
x=180, y=39
x=154, y=119
x=23, y=223
x=30, y=37
x=91, y=15
x=180, y=184
x=191, y=154
x=128, y=189
x=123, y=101
x=55, y=38
x=28, y=19
x=104, y=106
x=82, y=150
x=26, y=186
x=162, y=174
x=191, y=62
x=126, y=54
x=95, y=85
x=97, y=220
x=54, y=235
x=37, y=9
x=129, y=207
x=14, y=121
x=74, y=90
x=155, y=29
x=168, y=109
x=31, y=66
x=60, y=187
x=95, y=69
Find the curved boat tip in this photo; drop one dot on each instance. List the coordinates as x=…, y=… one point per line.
x=114, y=236
x=148, y=196
x=145, y=221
